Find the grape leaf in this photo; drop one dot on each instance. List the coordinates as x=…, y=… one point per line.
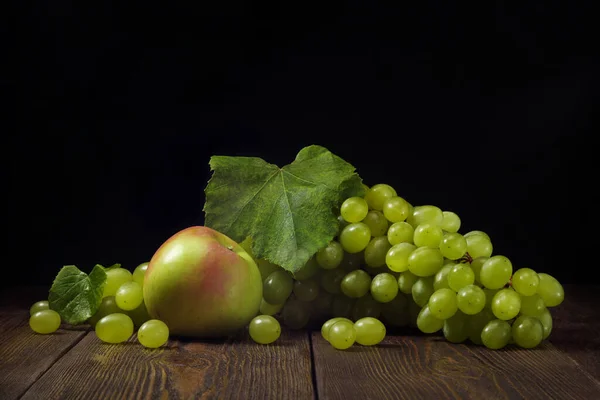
x=75, y=295
x=288, y=212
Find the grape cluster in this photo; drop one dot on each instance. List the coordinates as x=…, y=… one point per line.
x=398, y=265
x=120, y=313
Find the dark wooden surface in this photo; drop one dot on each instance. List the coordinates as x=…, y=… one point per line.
x=73, y=363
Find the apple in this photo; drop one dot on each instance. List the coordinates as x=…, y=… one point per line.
x=201, y=283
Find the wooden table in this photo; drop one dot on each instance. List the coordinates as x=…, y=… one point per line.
x=73, y=363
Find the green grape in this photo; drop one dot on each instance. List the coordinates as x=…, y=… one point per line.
x=369, y=331
x=342, y=306
x=422, y=290
x=264, y=329
x=453, y=246
x=425, y=261
x=527, y=332
x=455, y=328
x=356, y=284
x=39, y=306
x=114, y=328
x=525, y=281
x=395, y=312
x=355, y=237
x=479, y=246
x=496, y=334
x=481, y=233
x=342, y=335
x=377, y=195
x=354, y=209
x=139, y=315
x=550, y=290
x=450, y=222
x=428, y=235
x=476, y=323
x=153, y=334
x=427, y=322
x=400, y=232
x=546, y=321
x=307, y=271
x=330, y=257
x=397, y=256
x=295, y=314
x=471, y=299
x=506, y=304
x=327, y=325
x=532, y=306
x=129, y=296
x=366, y=306
x=352, y=261
x=384, y=287
x=139, y=272
x=406, y=280
x=440, y=280
x=460, y=275
x=376, y=251
x=331, y=280
x=489, y=296
x=476, y=265
x=442, y=303
x=342, y=223
x=266, y=268
x=268, y=308
x=376, y=222
x=277, y=287
x=495, y=272
x=321, y=306
x=307, y=290
x=44, y=321
x=396, y=209
x=107, y=306
x=422, y=214
x=115, y=277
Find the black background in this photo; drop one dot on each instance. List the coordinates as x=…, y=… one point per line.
x=115, y=110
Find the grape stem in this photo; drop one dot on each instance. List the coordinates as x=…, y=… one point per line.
x=466, y=258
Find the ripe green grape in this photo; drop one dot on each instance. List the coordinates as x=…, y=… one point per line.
x=532, y=306
x=395, y=312
x=546, y=321
x=39, y=306
x=384, y=287
x=356, y=283
x=376, y=251
x=425, y=261
x=440, y=280
x=495, y=272
x=427, y=322
x=550, y=290
x=376, y=222
x=527, y=332
x=476, y=323
x=352, y=261
x=455, y=328
x=428, y=234
x=44, y=321
x=266, y=268
x=264, y=329
x=342, y=306
x=481, y=233
x=342, y=223
x=422, y=214
x=306, y=290
x=115, y=277
x=129, y=296
x=496, y=334
x=470, y=299
x=355, y=237
x=489, y=296
x=327, y=325
x=367, y=306
x=442, y=303
x=267, y=308
x=153, y=334
x=295, y=314
x=138, y=315
x=479, y=246
x=342, y=334
x=400, y=232
x=114, y=328
x=453, y=246
x=277, y=287
x=396, y=209
x=422, y=290
x=476, y=265
x=354, y=209
x=331, y=256
x=525, y=281
x=406, y=280
x=107, y=306
x=459, y=276
x=397, y=256
x=450, y=222
x=377, y=195
x=369, y=331
x=307, y=271
x=139, y=272
x=331, y=280
x=506, y=304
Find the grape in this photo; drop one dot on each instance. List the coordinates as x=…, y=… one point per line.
x=331, y=280
x=307, y=271
x=400, y=232
x=460, y=275
x=476, y=323
x=115, y=277
x=139, y=315
x=354, y=209
x=39, y=306
x=369, y=331
x=440, y=280
x=342, y=306
x=330, y=257
x=427, y=322
x=397, y=256
x=266, y=268
x=481, y=233
x=376, y=222
x=356, y=283
x=453, y=246
x=321, y=306
x=550, y=290
x=496, y=334
x=264, y=329
x=366, y=306
x=450, y=222
x=476, y=265
x=395, y=209
x=376, y=251
x=107, y=306
x=525, y=281
x=342, y=223
x=506, y=304
x=532, y=306
x=306, y=290
x=384, y=287
x=327, y=325
x=114, y=328
x=422, y=290
x=355, y=237
x=455, y=328
x=139, y=272
x=546, y=321
x=342, y=334
x=425, y=261
x=479, y=246
x=422, y=214
x=295, y=314
x=129, y=296
x=394, y=312
x=277, y=287
x=428, y=234
x=153, y=334
x=489, y=296
x=527, y=332
x=442, y=303
x=352, y=261
x=406, y=280
x=377, y=195
x=495, y=272
x=44, y=321
x=470, y=299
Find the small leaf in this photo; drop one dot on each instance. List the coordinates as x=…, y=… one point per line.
x=117, y=265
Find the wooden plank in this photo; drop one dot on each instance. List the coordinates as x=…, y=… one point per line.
x=232, y=369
